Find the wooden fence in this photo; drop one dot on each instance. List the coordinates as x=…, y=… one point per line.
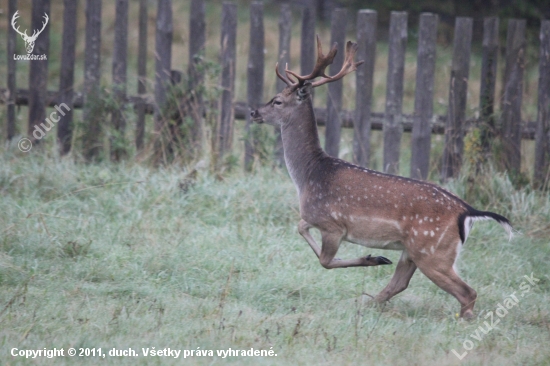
x=423, y=123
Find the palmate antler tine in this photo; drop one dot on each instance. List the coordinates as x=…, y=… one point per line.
x=348, y=66
x=320, y=66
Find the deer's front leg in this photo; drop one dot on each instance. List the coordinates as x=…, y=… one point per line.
x=331, y=242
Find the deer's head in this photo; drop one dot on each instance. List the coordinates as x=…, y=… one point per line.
x=29, y=40
x=297, y=92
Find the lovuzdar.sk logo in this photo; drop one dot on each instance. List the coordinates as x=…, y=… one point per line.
x=29, y=40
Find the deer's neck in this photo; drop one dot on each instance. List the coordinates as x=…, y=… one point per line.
x=301, y=145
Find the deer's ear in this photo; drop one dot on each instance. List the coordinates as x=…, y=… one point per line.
x=304, y=91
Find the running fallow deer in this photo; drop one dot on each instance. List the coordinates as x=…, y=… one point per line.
x=347, y=202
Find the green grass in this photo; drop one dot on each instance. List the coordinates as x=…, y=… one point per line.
x=120, y=256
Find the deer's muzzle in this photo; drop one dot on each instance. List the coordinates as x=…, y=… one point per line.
x=256, y=116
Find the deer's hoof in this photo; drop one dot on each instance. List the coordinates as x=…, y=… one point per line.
x=378, y=260
x=383, y=260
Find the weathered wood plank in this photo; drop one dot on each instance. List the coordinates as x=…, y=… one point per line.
x=454, y=130
x=119, y=71
x=393, y=128
x=38, y=70
x=307, y=45
x=285, y=29
x=334, y=96
x=163, y=56
x=423, y=96
x=66, y=75
x=488, y=81
x=542, y=138
x=366, y=40
x=255, y=76
x=12, y=81
x=142, y=73
x=197, y=41
x=227, y=80
x=513, y=92
x=92, y=75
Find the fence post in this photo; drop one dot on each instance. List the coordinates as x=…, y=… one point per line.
x=334, y=96
x=92, y=74
x=120, y=52
x=307, y=47
x=513, y=90
x=542, y=136
x=12, y=82
x=227, y=80
x=488, y=81
x=66, y=76
x=285, y=29
x=454, y=128
x=163, y=80
x=423, y=96
x=197, y=40
x=393, y=127
x=142, y=74
x=38, y=70
x=255, y=77
x=366, y=40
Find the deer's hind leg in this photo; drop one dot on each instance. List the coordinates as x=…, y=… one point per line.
x=400, y=280
x=439, y=268
x=331, y=240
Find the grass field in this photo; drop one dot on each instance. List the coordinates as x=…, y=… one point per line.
x=125, y=256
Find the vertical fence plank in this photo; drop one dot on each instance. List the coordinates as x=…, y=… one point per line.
x=38, y=70
x=307, y=47
x=513, y=90
x=334, y=95
x=66, y=76
x=227, y=80
x=12, y=83
x=488, y=81
x=120, y=53
x=163, y=56
x=285, y=29
x=393, y=128
x=92, y=74
x=197, y=40
x=423, y=96
x=255, y=76
x=542, y=138
x=142, y=73
x=366, y=40
x=454, y=128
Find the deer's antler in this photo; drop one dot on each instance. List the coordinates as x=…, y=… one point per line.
x=36, y=33
x=322, y=62
x=13, y=19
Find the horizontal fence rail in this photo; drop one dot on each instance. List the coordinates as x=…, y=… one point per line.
x=242, y=110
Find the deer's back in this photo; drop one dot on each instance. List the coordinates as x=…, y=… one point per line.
x=384, y=207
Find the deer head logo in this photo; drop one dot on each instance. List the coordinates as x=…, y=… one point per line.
x=29, y=41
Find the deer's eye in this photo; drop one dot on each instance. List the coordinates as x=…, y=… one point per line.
x=277, y=102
